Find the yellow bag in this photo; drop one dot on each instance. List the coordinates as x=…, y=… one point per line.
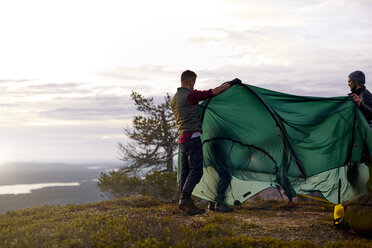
x=338, y=214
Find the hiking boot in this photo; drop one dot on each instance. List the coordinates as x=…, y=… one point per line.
x=223, y=208
x=189, y=207
x=212, y=206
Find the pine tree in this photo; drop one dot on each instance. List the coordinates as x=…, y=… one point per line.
x=153, y=135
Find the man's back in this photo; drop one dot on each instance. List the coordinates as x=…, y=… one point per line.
x=187, y=116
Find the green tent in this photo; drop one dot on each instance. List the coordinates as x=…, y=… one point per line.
x=254, y=139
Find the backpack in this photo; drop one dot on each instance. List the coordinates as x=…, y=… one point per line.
x=355, y=213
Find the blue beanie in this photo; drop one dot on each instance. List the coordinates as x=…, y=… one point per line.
x=358, y=77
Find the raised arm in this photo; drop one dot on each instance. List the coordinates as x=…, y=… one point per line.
x=196, y=96
x=218, y=90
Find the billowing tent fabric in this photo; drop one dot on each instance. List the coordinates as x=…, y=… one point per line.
x=254, y=139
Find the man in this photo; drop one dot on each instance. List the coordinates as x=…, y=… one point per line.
x=361, y=96
x=184, y=105
x=363, y=99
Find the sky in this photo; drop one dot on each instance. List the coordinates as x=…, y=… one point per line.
x=67, y=68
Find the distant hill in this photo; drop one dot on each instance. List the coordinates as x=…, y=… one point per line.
x=145, y=222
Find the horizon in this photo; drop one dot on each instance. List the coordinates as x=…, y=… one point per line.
x=68, y=68
x=63, y=161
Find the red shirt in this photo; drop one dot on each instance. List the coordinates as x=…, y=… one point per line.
x=195, y=96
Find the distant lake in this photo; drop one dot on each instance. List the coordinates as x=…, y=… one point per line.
x=26, y=188
x=40, y=173
x=32, y=184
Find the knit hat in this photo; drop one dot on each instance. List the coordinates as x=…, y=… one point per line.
x=358, y=77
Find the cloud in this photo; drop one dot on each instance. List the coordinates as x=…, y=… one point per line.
x=310, y=53
x=22, y=80
x=288, y=79
x=60, y=89
x=33, y=104
x=25, y=90
x=103, y=108
x=77, y=102
x=141, y=73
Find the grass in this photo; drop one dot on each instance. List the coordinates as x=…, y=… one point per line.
x=145, y=222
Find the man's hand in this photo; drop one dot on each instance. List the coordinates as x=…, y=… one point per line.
x=356, y=99
x=234, y=82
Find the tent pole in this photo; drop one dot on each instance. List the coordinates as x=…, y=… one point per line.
x=339, y=191
x=281, y=128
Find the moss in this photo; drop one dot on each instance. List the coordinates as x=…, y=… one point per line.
x=146, y=222
x=326, y=220
x=243, y=241
x=221, y=218
x=137, y=202
x=348, y=244
x=211, y=229
x=149, y=243
x=247, y=226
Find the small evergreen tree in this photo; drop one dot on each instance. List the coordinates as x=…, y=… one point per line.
x=154, y=135
x=160, y=185
x=118, y=184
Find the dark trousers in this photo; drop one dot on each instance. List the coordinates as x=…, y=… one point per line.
x=366, y=158
x=223, y=184
x=191, y=165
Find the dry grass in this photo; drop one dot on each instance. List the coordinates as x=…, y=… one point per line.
x=145, y=222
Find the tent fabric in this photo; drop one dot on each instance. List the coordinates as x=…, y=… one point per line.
x=254, y=139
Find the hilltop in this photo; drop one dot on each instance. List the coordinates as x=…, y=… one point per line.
x=145, y=222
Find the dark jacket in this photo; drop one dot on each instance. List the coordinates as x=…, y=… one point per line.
x=365, y=103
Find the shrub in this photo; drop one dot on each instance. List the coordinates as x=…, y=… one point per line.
x=159, y=185
x=118, y=184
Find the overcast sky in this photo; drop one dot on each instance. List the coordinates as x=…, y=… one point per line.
x=67, y=68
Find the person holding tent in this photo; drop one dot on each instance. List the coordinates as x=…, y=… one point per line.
x=361, y=96
x=184, y=105
x=363, y=99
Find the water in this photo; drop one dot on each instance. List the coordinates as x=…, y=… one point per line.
x=27, y=188
x=32, y=184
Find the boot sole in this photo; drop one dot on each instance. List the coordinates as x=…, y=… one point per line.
x=194, y=213
x=224, y=211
